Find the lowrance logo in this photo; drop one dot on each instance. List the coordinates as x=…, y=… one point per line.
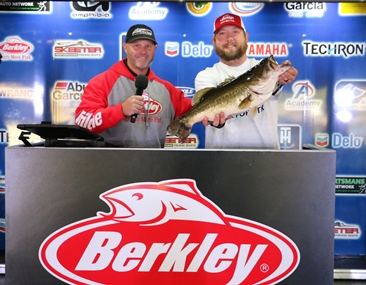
x=169, y=233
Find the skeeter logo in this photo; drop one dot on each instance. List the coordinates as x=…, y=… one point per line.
x=169, y=233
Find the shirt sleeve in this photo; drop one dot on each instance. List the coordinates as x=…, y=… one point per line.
x=93, y=112
x=204, y=79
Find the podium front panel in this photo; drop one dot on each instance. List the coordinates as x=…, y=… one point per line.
x=291, y=192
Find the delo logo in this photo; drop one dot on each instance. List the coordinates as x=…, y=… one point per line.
x=350, y=141
x=321, y=139
x=188, y=49
x=169, y=233
x=171, y=48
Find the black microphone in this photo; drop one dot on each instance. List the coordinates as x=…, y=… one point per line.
x=141, y=82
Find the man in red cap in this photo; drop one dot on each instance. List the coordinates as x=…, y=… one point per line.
x=241, y=131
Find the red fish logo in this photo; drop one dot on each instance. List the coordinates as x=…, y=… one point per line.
x=167, y=233
x=15, y=45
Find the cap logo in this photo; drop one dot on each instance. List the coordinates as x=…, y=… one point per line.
x=227, y=18
x=141, y=31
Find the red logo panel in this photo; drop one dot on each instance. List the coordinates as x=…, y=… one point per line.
x=167, y=233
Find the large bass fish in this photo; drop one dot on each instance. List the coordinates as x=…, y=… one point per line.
x=233, y=96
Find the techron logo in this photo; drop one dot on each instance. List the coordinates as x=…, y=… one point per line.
x=167, y=232
x=344, y=49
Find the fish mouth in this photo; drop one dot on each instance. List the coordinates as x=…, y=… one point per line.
x=120, y=210
x=272, y=63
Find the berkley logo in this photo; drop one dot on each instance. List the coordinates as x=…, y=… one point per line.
x=153, y=107
x=15, y=45
x=167, y=233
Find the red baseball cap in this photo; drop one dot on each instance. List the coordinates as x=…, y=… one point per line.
x=228, y=19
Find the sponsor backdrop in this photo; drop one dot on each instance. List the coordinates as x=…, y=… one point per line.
x=50, y=50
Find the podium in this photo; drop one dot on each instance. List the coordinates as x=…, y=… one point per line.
x=54, y=192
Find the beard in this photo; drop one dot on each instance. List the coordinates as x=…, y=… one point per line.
x=233, y=54
x=142, y=63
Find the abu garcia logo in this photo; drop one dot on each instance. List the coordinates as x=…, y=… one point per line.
x=65, y=90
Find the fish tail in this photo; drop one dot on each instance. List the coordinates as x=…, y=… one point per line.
x=180, y=129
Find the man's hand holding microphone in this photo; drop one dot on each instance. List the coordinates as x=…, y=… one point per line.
x=134, y=104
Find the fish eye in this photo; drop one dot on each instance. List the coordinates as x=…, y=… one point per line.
x=138, y=196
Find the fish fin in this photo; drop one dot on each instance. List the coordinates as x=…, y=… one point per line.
x=200, y=95
x=226, y=81
x=245, y=103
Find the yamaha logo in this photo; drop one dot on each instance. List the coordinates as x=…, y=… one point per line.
x=167, y=233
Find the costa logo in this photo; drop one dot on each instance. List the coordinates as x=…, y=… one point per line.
x=167, y=233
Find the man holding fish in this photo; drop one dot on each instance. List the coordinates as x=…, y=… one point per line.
x=256, y=125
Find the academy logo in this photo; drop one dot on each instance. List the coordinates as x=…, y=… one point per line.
x=169, y=233
x=147, y=11
x=90, y=10
x=303, y=99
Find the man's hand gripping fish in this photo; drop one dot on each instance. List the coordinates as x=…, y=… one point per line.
x=233, y=96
